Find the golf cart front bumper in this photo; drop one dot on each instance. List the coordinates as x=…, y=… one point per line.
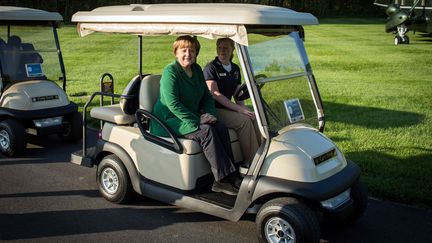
x=43, y=121
x=331, y=190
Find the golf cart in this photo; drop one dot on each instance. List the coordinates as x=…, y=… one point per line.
x=298, y=177
x=30, y=62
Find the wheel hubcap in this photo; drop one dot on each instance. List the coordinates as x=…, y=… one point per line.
x=109, y=180
x=279, y=230
x=4, y=140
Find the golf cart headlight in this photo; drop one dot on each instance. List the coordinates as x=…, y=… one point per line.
x=48, y=122
x=336, y=201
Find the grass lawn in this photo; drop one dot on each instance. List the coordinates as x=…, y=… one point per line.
x=377, y=96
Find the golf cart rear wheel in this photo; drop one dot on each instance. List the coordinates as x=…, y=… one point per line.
x=113, y=180
x=12, y=137
x=72, y=128
x=287, y=220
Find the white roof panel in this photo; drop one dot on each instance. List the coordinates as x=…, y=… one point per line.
x=207, y=20
x=201, y=13
x=10, y=13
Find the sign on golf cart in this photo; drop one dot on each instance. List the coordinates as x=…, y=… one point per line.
x=33, y=70
x=30, y=65
x=283, y=185
x=294, y=110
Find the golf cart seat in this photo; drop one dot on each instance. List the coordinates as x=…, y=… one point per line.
x=122, y=113
x=12, y=58
x=148, y=96
x=30, y=55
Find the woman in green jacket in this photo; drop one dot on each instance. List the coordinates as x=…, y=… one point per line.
x=187, y=107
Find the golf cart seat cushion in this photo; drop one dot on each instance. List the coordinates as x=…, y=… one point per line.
x=192, y=147
x=130, y=105
x=113, y=114
x=149, y=91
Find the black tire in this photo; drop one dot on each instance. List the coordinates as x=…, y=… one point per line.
x=406, y=40
x=12, y=138
x=287, y=217
x=113, y=180
x=397, y=40
x=359, y=196
x=72, y=128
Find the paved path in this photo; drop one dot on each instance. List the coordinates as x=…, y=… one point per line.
x=44, y=198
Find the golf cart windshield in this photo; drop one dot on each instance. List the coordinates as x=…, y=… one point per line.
x=280, y=69
x=28, y=53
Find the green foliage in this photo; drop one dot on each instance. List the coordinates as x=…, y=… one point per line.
x=273, y=67
x=317, y=7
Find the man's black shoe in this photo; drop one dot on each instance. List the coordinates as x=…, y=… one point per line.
x=235, y=179
x=224, y=187
x=236, y=182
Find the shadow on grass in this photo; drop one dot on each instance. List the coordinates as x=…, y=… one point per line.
x=406, y=180
x=370, y=117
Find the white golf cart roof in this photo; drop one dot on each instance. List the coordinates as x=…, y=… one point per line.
x=208, y=20
x=19, y=14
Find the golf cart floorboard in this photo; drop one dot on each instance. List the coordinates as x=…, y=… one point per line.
x=204, y=193
x=218, y=198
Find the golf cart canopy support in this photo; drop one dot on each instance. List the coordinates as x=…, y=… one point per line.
x=206, y=20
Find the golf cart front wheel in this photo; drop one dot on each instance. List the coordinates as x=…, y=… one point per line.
x=113, y=180
x=287, y=220
x=72, y=128
x=12, y=137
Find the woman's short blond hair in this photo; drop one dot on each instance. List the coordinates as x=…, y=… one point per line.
x=186, y=41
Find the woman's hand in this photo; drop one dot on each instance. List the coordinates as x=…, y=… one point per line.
x=207, y=118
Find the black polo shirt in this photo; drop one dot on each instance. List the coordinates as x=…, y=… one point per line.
x=226, y=81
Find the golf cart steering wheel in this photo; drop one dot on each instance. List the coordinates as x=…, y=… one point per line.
x=242, y=92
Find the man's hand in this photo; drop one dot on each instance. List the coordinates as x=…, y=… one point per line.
x=245, y=110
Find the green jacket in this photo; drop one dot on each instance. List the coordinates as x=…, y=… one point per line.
x=182, y=100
